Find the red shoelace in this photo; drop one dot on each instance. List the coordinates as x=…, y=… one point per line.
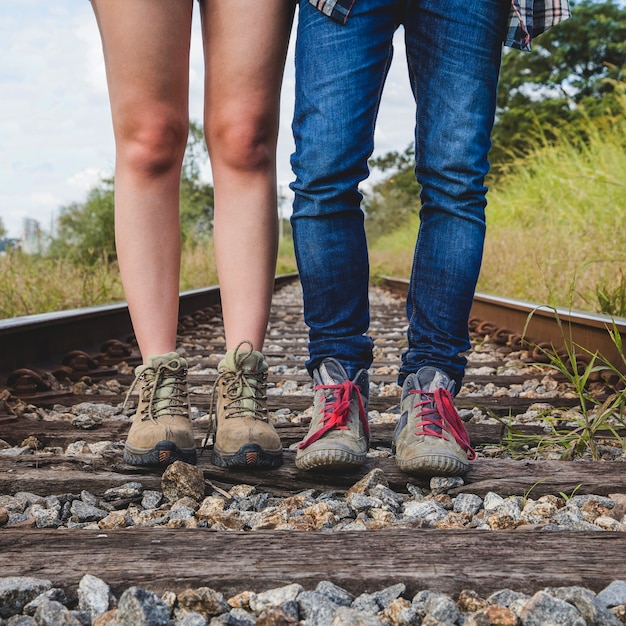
x=442, y=415
x=337, y=411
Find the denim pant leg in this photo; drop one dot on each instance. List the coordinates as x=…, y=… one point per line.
x=340, y=71
x=453, y=49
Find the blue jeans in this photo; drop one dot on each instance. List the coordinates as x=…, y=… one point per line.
x=453, y=54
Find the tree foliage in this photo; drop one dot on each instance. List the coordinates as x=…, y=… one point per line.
x=570, y=74
x=85, y=230
x=395, y=197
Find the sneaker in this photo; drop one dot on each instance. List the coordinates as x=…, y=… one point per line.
x=161, y=432
x=338, y=437
x=243, y=435
x=430, y=438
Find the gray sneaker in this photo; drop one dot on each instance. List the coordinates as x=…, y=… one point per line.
x=430, y=438
x=338, y=437
x=161, y=432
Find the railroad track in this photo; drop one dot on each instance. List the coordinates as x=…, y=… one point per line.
x=59, y=370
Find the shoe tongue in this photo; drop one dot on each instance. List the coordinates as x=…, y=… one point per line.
x=329, y=372
x=248, y=361
x=431, y=378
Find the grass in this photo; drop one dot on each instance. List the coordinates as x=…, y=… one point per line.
x=31, y=284
x=555, y=225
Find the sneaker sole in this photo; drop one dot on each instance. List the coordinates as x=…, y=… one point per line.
x=433, y=465
x=250, y=455
x=164, y=453
x=330, y=460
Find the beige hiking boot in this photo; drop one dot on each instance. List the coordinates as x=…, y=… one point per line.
x=243, y=435
x=430, y=439
x=338, y=437
x=161, y=432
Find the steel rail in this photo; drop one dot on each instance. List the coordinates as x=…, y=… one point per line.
x=584, y=333
x=39, y=340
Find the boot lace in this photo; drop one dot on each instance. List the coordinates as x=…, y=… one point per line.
x=438, y=412
x=163, y=390
x=337, y=410
x=241, y=388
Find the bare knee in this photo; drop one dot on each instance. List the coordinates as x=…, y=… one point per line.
x=242, y=144
x=153, y=145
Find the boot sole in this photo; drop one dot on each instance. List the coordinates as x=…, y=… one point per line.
x=163, y=454
x=433, y=465
x=250, y=455
x=330, y=460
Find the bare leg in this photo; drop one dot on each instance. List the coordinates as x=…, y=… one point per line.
x=245, y=48
x=146, y=50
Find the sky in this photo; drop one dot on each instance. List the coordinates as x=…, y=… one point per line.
x=56, y=139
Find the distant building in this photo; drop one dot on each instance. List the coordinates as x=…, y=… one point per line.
x=32, y=239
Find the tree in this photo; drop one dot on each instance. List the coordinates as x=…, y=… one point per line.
x=3, y=230
x=196, y=197
x=395, y=197
x=85, y=230
x=570, y=73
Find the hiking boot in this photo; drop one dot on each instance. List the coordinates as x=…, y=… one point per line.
x=430, y=438
x=338, y=437
x=161, y=432
x=243, y=435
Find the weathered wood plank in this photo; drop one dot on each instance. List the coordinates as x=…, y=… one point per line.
x=60, y=433
x=497, y=406
x=54, y=475
x=443, y=560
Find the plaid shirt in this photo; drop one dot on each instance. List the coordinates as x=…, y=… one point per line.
x=527, y=18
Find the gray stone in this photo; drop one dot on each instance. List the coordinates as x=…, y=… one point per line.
x=345, y=616
x=543, y=609
x=236, y=617
x=17, y=591
x=96, y=410
x=316, y=608
x=594, y=612
x=140, y=607
x=127, y=490
x=360, y=502
x=571, y=518
x=94, y=595
x=386, y=596
x=443, y=484
x=273, y=598
x=151, y=499
x=492, y=501
x=438, y=606
x=88, y=498
x=391, y=500
x=467, y=503
x=44, y=518
x=19, y=620
x=427, y=510
x=52, y=613
x=506, y=597
x=335, y=593
x=613, y=595
x=87, y=512
x=366, y=603
x=191, y=619
x=52, y=594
